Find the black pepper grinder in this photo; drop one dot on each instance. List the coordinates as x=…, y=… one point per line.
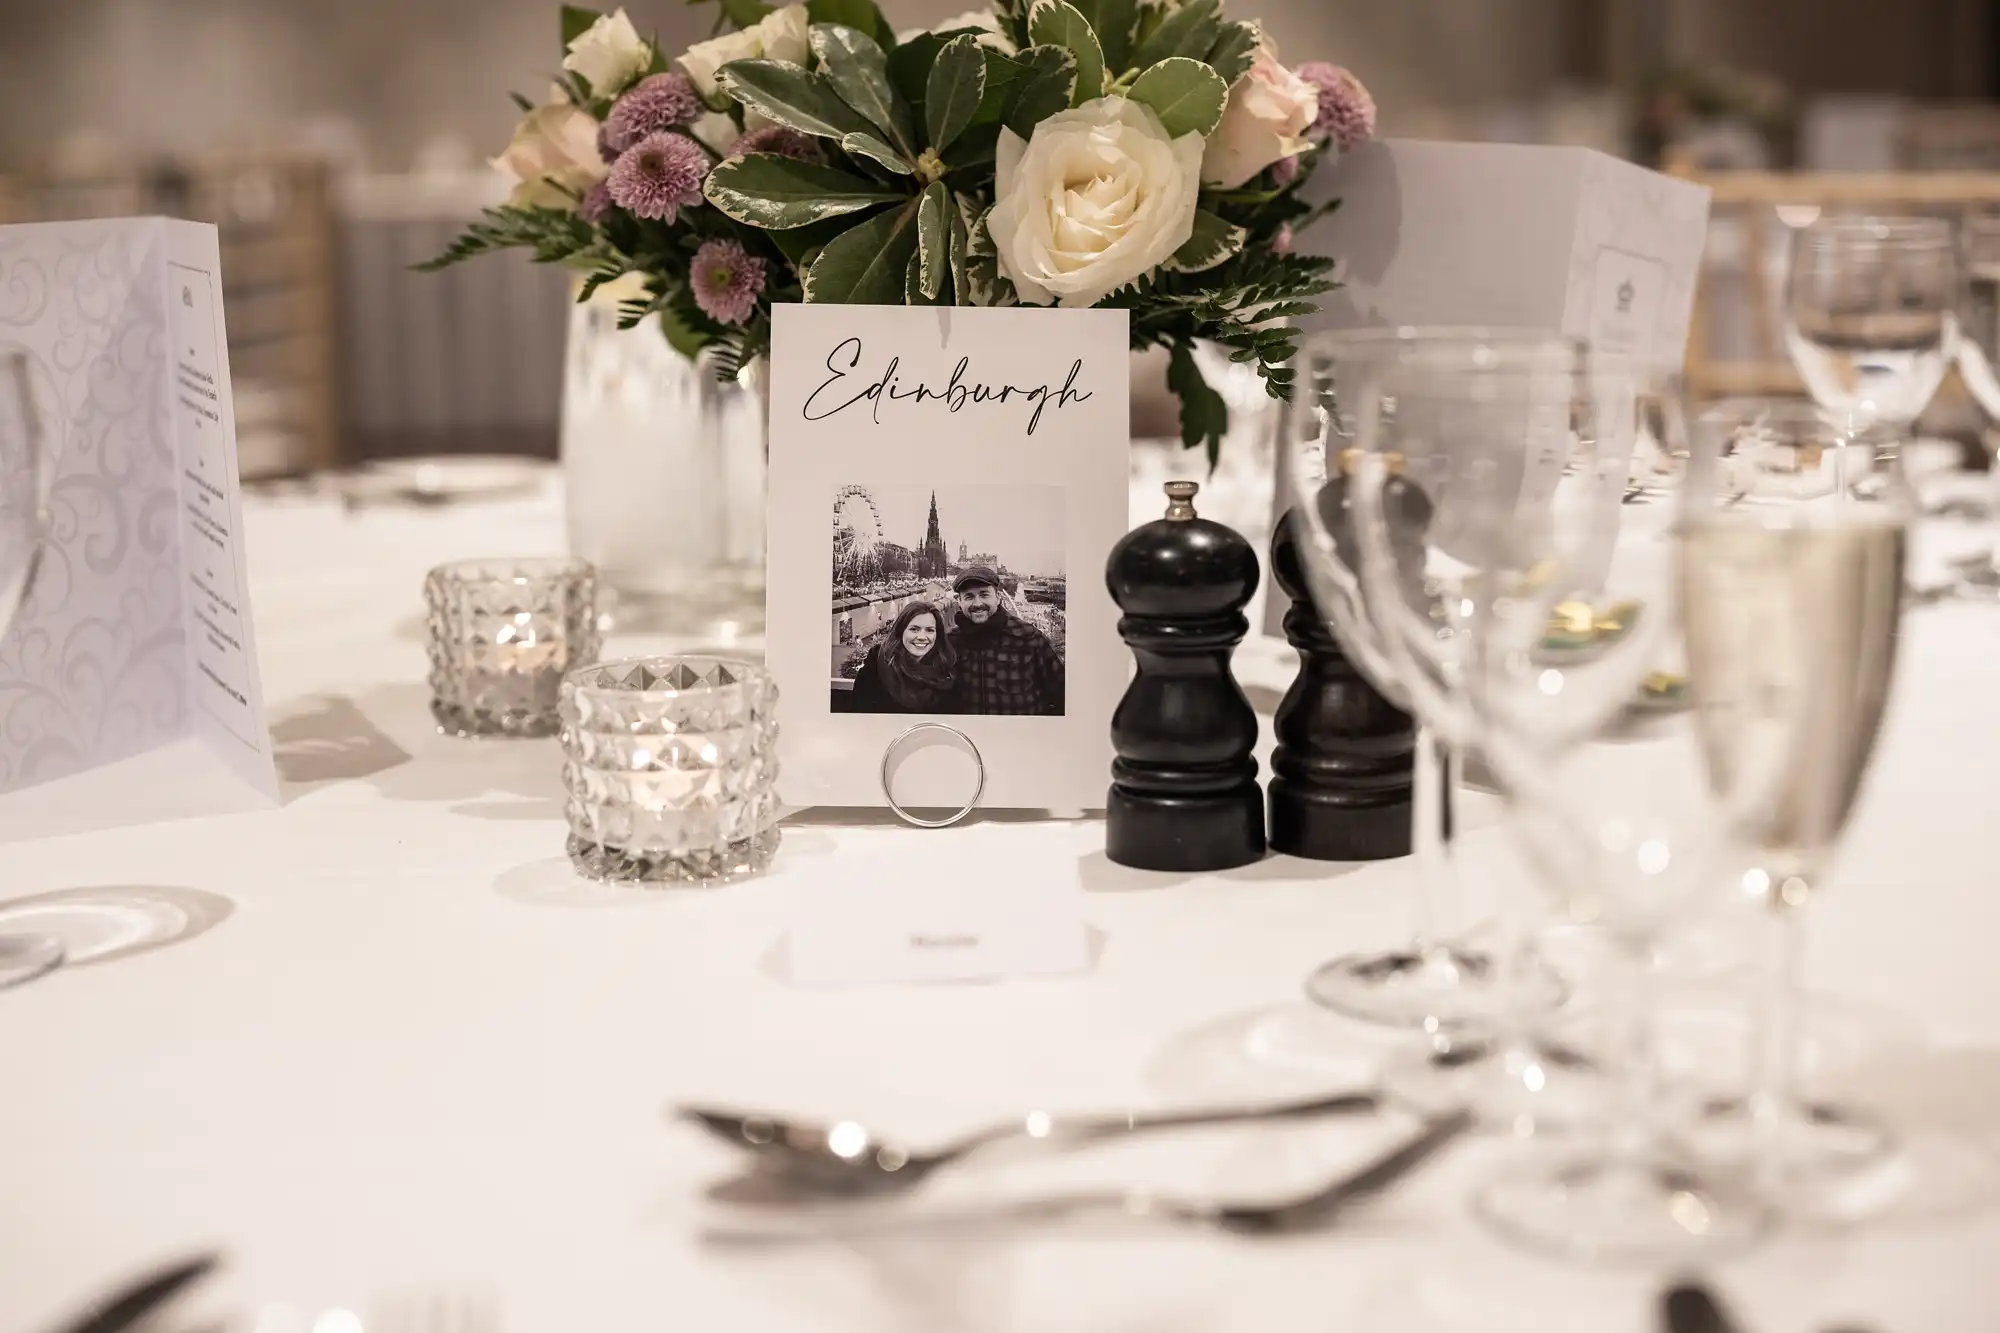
x=1184, y=785
x=1342, y=774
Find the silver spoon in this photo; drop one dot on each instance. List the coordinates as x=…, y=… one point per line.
x=849, y=1156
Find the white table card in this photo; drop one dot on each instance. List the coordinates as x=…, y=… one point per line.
x=945, y=487
x=996, y=914
x=137, y=629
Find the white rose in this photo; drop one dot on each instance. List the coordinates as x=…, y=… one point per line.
x=610, y=53
x=555, y=145
x=1100, y=196
x=1270, y=109
x=779, y=35
x=716, y=132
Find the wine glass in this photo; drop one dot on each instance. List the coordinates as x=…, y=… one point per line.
x=1459, y=435
x=1871, y=319
x=1978, y=354
x=1792, y=577
x=1431, y=983
x=1590, y=743
x=25, y=477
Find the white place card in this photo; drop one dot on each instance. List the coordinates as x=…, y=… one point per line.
x=137, y=628
x=945, y=487
x=869, y=919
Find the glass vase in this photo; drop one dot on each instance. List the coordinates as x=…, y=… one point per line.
x=663, y=468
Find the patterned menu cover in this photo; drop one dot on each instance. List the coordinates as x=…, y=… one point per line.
x=136, y=630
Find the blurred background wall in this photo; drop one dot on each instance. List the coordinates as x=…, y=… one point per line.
x=338, y=141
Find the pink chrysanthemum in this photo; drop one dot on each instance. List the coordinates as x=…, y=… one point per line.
x=659, y=176
x=1346, y=111
x=596, y=205
x=779, y=139
x=1284, y=171
x=1282, y=240
x=662, y=102
x=727, y=280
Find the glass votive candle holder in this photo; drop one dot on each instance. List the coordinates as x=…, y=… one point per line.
x=670, y=769
x=502, y=634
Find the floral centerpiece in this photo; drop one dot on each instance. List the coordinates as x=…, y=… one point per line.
x=1149, y=157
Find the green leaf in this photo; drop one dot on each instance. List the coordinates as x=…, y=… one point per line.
x=881, y=154
x=868, y=264
x=859, y=73
x=576, y=22
x=742, y=13
x=1204, y=415
x=1188, y=31
x=800, y=244
x=959, y=245
x=1045, y=90
x=910, y=68
x=777, y=193
x=1003, y=73
x=1112, y=21
x=791, y=95
x=975, y=148
x=934, y=237
x=1057, y=23
x=913, y=281
x=1213, y=241
x=1188, y=95
x=682, y=336
x=860, y=15
x=954, y=90
x=1235, y=51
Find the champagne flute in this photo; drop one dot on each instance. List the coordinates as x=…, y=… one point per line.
x=1978, y=354
x=1431, y=983
x=25, y=477
x=1870, y=319
x=1792, y=578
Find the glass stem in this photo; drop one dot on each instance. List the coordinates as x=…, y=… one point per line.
x=1629, y=1018
x=1436, y=771
x=1776, y=1053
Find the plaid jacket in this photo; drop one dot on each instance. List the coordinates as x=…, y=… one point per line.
x=1007, y=667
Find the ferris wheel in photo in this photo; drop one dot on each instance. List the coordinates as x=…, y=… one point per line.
x=854, y=511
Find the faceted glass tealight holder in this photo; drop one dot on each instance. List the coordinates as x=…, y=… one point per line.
x=670, y=769
x=502, y=634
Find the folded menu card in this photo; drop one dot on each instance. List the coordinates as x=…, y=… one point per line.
x=136, y=628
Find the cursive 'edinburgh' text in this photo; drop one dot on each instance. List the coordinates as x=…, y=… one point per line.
x=844, y=387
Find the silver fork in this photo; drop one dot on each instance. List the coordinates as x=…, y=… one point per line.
x=1317, y=1208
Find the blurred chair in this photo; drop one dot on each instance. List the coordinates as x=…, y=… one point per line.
x=466, y=360
x=273, y=215
x=1736, y=342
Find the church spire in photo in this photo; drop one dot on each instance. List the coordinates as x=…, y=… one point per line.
x=932, y=561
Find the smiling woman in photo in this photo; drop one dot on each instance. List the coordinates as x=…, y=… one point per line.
x=912, y=670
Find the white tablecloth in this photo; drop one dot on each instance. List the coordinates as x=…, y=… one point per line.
x=419, y=1058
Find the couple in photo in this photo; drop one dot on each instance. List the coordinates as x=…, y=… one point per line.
x=990, y=662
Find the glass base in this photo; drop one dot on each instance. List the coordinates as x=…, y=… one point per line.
x=704, y=865
x=1596, y=1211
x=25, y=957
x=1437, y=990
x=1521, y=1089
x=1975, y=579
x=1795, y=1145
x=453, y=720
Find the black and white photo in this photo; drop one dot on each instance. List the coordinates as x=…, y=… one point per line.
x=949, y=599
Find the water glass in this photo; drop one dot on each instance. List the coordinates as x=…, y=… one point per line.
x=502, y=634
x=670, y=769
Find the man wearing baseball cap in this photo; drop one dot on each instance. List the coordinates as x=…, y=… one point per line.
x=1005, y=665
